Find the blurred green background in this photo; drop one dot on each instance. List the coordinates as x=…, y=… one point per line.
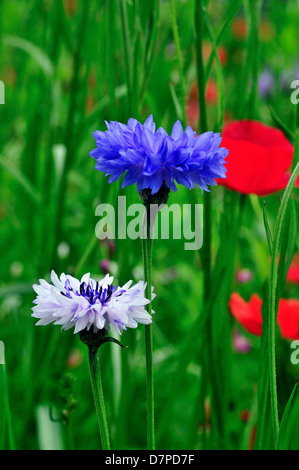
x=67, y=67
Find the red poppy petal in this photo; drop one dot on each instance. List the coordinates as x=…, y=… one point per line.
x=288, y=318
x=259, y=158
x=293, y=274
x=247, y=314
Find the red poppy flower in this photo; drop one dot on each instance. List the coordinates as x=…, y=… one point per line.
x=71, y=7
x=259, y=159
x=293, y=274
x=192, y=107
x=211, y=92
x=288, y=318
x=249, y=315
x=207, y=50
x=239, y=28
x=266, y=31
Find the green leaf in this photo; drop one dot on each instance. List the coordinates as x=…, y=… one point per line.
x=2, y=408
x=176, y=102
x=284, y=420
x=34, y=51
x=273, y=301
x=268, y=230
x=219, y=74
x=282, y=125
x=28, y=187
x=231, y=14
x=110, y=339
x=288, y=245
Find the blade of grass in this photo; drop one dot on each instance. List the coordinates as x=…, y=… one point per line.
x=34, y=51
x=288, y=246
x=248, y=87
x=69, y=131
x=273, y=301
x=6, y=413
x=255, y=8
x=219, y=74
x=231, y=15
x=268, y=230
x=176, y=102
x=24, y=182
x=296, y=150
x=284, y=419
x=150, y=46
x=110, y=51
x=203, y=124
x=281, y=124
x=2, y=404
x=263, y=428
x=127, y=51
x=179, y=60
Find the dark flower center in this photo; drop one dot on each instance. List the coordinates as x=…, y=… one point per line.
x=90, y=292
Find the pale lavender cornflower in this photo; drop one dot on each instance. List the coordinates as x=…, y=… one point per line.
x=88, y=304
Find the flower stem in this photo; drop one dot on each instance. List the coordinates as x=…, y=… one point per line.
x=147, y=263
x=69, y=132
x=127, y=50
x=198, y=28
x=7, y=419
x=273, y=300
x=179, y=60
x=203, y=127
x=97, y=389
x=255, y=7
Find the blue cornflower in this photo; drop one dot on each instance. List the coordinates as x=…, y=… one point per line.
x=154, y=159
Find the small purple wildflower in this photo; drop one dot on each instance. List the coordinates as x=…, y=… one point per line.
x=265, y=84
x=244, y=275
x=240, y=343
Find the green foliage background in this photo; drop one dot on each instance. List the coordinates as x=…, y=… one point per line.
x=67, y=67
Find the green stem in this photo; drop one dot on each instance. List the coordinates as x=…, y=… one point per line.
x=151, y=47
x=6, y=407
x=249, y=89
x=147, y=263
x=179, y=60
x=273, y=302
x=203, y=126
x=69, y=132
x=111, y=63
x=262, y=424
x=231, y=15
x=97, y=389
x=296, y=150
x=127, y=51
x=198, y=27
x=255, y=6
